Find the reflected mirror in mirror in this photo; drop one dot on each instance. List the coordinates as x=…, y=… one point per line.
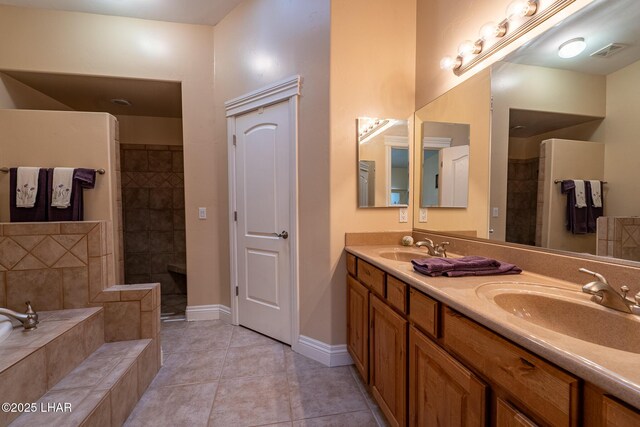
x=565, y=119
x=383, y=162
x=444, y=176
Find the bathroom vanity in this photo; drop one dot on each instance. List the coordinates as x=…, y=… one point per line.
x=493, y=350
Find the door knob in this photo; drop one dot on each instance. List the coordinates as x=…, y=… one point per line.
x=284, y=234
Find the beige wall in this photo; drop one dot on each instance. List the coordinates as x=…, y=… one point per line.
x=467, y=103
x=258, y=43
x=620, y=132
x=567, y=159
x=555, y=90
x=373, y=74
x=529, y=148
x=444, y=24
x=98, y=45
x=150, y=130
x=15, y=94
x=69, y=139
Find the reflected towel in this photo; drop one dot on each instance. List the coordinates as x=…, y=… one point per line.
x=26, y=187
x=61, y=187
x=581, y=195
x=466, y=266
x=596, y=193
x=38, y=213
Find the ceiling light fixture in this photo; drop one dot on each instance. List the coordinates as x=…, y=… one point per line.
x=572, y=48
x=522, y=16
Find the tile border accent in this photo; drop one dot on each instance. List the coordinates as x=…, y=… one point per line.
x=328, y=355
x=208, y=312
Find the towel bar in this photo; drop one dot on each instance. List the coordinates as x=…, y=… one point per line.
x=558, y=181
x=100, y=171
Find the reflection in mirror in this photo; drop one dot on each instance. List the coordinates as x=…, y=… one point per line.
x=383, y=162
x=445, y=165
x=558, y=122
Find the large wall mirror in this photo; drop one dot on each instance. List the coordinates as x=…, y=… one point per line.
x=383, y=162
x=444, y=171
x=558, y=119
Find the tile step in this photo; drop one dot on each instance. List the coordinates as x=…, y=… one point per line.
x=101, y=391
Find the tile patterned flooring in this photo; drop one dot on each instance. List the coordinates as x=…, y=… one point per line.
x=216, y=374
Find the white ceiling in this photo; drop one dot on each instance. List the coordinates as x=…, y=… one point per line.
x=601, y=23
x=207, y=12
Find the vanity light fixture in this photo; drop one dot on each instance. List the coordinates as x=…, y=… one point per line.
x=522, y=16
x=572, y=48
x=375, y=127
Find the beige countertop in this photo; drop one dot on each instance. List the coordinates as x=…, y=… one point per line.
x=614, y=370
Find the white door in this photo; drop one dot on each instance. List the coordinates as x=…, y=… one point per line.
x=454, y=177
x=263, y=146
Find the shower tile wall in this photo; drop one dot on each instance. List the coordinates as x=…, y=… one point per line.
x=154, y=226
x=522, y=193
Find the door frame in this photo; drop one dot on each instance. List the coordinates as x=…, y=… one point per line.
x=286, y=90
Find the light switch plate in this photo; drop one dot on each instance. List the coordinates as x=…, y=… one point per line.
x=423, y=215
x=404, y=215
x=202, y=213
x=494, y=212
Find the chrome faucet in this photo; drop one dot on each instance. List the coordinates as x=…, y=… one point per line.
x=605, y=295
x=29, y=319
x=434, y=249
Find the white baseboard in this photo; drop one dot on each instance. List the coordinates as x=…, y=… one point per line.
x=208, y=312
x=328, y=355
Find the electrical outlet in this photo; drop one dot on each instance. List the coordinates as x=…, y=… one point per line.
x=202, y=213
x=423, y=215
x=404, y=215
x=494, y=212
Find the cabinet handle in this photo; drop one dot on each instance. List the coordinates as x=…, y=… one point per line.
x=526, y=363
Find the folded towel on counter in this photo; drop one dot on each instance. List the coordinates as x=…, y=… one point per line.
x=466, y=266
x=596, y=193
x=581, y=195
x=26, y=187
x=61, y=187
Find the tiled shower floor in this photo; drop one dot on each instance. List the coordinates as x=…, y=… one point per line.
x=216, y=374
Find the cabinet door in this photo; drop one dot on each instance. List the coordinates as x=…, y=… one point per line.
x=388, y=351
x=358, y=325
x=442, y=392
x=615, y=414
x=508, y=416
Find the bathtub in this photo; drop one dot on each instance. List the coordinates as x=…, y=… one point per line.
x=5, y=327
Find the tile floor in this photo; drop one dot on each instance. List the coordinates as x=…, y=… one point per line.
x=215, y=374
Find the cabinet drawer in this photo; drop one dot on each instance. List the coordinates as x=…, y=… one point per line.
x=351, y=264
x=371, y=276
x=618, y=415
x=508, y=416
x=397, y=294
x=546, y=391
x=423, y=312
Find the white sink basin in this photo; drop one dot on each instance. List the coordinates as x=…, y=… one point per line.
x=5, y=327
x=566, y=312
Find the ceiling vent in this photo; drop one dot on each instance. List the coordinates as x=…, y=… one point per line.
x=609, y=50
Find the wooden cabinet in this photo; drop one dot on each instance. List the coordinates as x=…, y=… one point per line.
x=423, y=312
x=388, y=361
x=351, y=265
x=615, y=414
x=397, y=294
x=508, y=416
x=442, y=392
x=358, y=326
x=371, y=276
x=548, y=392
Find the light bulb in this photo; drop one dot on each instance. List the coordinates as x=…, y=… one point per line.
x=467, y=48
x=449, y=63
x=571, y=48
x=491, y=30
x=520, y=9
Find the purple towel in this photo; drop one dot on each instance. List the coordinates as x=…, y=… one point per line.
x=38, y=213
x=580, y=220
x=82, y=178
x=465, y=266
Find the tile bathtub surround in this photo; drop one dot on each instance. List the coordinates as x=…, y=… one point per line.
x=619, y=237
x=153, y=204
x=70, y=265
x=522, y=199
x=216, y=374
